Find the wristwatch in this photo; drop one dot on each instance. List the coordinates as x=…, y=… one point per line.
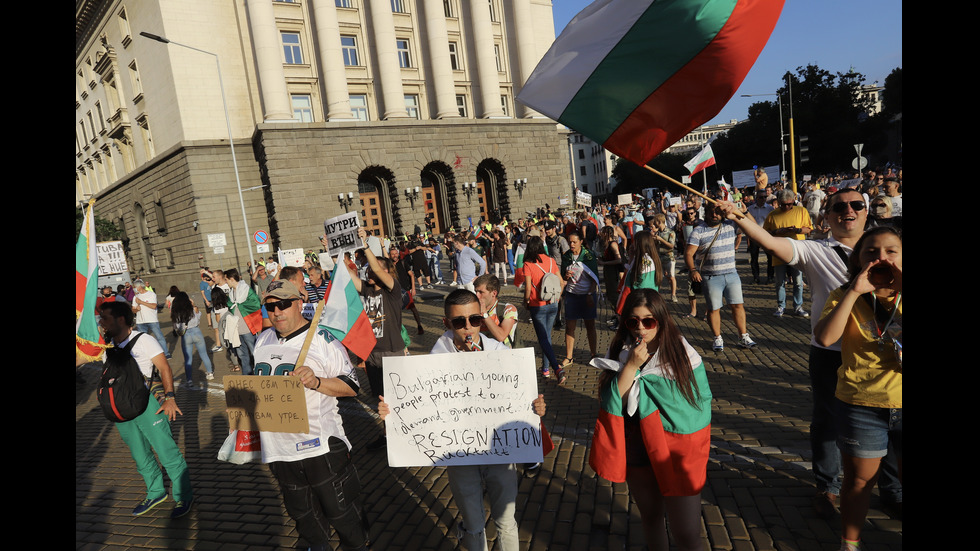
x=170, y=396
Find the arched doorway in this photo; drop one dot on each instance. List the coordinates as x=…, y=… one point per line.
x=439, y=196
x=379, y=201
x=492, y=189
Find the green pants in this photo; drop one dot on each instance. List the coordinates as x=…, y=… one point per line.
x=151, y=432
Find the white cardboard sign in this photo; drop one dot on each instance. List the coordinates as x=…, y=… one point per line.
x=341, y=233
x=471, y=408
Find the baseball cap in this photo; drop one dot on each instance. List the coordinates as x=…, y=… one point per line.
x=282, y=289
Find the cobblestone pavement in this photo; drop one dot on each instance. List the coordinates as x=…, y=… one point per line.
x=757, y=496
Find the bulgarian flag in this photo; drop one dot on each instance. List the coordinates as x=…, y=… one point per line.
x=343, y=314
x=88, y=341
x=638, y=75
x=675, y=433
x=701, y=161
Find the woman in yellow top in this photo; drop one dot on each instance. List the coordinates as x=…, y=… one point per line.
x=866, y=316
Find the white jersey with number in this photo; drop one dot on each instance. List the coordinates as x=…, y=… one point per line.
x=327, y=358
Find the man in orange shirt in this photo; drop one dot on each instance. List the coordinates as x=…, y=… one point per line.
x=792, y=221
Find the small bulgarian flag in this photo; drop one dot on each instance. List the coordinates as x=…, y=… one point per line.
x=88, y=341
x=638, y=75
x=343, y=314
x=701, y=161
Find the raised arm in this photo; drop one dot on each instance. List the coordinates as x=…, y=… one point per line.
x=780, y=247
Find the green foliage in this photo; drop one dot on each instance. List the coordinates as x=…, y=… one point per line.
x=104, y=229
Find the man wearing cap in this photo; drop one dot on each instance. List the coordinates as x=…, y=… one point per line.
x=317, y=479
x=147, y=321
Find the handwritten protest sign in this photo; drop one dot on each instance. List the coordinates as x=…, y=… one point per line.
x=583, y=199
x=271, y=404
x=112, y=257
x=341, y=232
x=291, y=257
x=470, y=408
x=624, y=199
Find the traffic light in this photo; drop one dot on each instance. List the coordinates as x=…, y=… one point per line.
x=804, y=149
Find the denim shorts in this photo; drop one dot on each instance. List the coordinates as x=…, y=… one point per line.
x=865, y=432
x=723, y=285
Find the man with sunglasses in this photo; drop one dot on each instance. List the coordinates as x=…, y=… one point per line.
x=317, y=479
x=792, y=221
x=825, y=264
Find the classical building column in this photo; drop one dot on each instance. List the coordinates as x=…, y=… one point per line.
x=331, y=59
x=486, y=62
x=441, y=67
x=390, y=74
x=268, y=58
x=526, y=54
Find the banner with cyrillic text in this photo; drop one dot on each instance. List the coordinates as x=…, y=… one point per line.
x=467, y=408
x=341, y=234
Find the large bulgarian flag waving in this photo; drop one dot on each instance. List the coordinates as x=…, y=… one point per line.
x=343, y=314
x=638, y=75
x=88, y=341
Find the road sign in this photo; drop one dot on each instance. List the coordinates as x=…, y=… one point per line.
x=862, y=161
x=216, y=240
x=261, y=236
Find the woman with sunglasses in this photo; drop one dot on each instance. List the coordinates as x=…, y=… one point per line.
x=866, y=316
x=654, y=426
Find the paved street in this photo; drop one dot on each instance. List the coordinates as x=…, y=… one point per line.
x=757, y=496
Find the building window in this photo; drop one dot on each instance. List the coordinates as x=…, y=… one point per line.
x=144, y=125
x=454, y=57
x=496, y=55
x=302, y=107
x=461, y=105
x=399, y=6
x=349, y=46
x=124, y=26
x=358, y=106
x=504, y=105
x=493, y=10
x=81, y=124
x=582, y=170
x=581, y=153
x=100, y=115
x=344, y=3
x=91, y=124
x=404, y=55
x=291, y=49
x=447, y=7
x=134, y=77
x=412, y=106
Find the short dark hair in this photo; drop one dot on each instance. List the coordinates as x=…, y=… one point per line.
x=289, y=272
x=489, y=281
x=119, y=310
x=232, y=273
x=460, y=297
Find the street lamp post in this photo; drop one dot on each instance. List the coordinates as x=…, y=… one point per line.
x=782, y=135
x=231, y=140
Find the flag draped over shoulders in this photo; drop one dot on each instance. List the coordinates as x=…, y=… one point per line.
x=638, y=75
x=676, y=434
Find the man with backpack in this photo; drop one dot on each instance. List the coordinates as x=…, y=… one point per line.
x=126, y=383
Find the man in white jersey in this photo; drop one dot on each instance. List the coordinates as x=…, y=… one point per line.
x=319, y=485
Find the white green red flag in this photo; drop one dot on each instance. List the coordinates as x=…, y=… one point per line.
x=701, y=161
x=88, y=341
x=638, y=75
x=343, y=314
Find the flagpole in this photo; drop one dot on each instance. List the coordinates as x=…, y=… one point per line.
x=692, y=190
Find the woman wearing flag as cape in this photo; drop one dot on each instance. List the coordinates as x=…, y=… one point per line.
x=579, y=267
x=654, y=425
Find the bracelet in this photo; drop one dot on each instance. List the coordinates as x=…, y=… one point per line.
x=318, y=381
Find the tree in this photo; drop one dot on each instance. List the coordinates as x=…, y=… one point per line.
x=104, y=229
x=891, y=96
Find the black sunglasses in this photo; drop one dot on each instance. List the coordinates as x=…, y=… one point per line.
x=476, y=320
x=841, y=206
x=284, y=304
x=633, y=323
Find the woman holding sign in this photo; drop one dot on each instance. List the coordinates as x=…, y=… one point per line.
x=654, y=425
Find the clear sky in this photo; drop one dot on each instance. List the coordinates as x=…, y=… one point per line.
x=835, y=35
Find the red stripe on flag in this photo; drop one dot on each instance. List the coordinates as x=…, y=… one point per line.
x=360, y=339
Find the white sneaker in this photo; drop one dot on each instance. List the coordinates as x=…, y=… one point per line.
x=778, y=313
x=209, y=376
x=801, y=312
x=719, y=344
x=746, y=341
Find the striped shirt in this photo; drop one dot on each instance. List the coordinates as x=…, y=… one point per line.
x=720, y=257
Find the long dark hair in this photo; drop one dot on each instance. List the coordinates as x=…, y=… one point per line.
x=219, y=299
x=644, y=245
x=668, y=342
x=181, y=309
x=535, y=249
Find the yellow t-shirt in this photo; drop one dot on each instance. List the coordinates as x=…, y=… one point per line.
x=871, y=374
x=796, y=217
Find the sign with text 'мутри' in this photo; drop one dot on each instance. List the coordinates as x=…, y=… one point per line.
x=469, y=408
x=341, y=234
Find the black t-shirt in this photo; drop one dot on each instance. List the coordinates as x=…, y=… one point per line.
x=384, y=308
x=402, y=268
